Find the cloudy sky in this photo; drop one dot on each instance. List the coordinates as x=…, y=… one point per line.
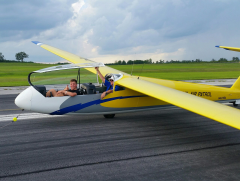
x=109, y=30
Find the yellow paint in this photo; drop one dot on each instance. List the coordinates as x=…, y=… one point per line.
x=122, y=103
x=209, y=92
x=236, y=85
x=197, y=98
x=150, y=101
x=199, y=105
x=77, y=59
x=231, y=48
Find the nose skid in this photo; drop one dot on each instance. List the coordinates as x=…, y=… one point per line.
x=23, y=100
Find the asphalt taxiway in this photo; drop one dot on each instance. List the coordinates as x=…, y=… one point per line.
x=169, y=144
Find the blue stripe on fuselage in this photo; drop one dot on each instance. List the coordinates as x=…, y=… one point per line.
x=80, y=106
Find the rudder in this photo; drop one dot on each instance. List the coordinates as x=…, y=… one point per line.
x=236, y=84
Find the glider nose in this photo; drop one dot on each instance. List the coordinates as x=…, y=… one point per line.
x=23, y=100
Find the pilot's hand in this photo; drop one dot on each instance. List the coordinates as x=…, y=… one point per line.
x=66, y=88
x=96, y=68
x=103, y=95
x=59, y=92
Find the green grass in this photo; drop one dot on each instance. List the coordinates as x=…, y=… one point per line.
x=184, y=71
x=15, y=74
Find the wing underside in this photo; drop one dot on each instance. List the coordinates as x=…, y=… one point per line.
x=213, y=110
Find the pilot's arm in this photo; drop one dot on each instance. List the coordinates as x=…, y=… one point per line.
x=66, y=93
x=72, y=94
x=100, y=75
x=105, y=93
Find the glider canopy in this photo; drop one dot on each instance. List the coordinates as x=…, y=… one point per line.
x=70, y=66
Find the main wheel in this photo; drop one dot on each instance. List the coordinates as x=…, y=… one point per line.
x=109, y=115
x=234, y=104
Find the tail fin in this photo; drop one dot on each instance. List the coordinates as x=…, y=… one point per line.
x=236, y=85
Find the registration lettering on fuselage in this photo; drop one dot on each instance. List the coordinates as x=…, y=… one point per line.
x=202, y=94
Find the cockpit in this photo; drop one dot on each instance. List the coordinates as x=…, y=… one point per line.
x=57, y=77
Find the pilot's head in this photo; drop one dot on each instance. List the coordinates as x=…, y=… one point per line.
x=111, y=80
x=73, y=84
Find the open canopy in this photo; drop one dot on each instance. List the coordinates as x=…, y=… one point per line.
x=70, y=66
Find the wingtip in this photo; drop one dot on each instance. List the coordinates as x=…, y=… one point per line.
x=37, y=42
x=222, y=47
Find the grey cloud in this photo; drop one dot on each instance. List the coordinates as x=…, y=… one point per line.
x=124, y=24
x=31, y=17
x=121, y=26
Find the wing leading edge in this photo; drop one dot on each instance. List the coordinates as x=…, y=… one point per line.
x=213, y=110
x=76, y=59
x=229, y=48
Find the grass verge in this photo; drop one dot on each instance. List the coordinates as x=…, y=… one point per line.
x=15, y=74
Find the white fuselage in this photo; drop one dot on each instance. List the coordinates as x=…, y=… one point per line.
x=31, y=99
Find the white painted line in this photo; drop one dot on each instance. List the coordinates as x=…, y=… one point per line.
x=10, y=117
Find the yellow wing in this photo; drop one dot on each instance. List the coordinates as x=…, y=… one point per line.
x=213, y=110
x=230, y=48
x=76, y=59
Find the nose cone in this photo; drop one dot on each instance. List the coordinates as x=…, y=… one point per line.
x=23, y=100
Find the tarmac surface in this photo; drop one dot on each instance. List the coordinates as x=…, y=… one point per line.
x=169, y=144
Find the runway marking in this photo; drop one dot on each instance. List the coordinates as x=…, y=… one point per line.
x=25, y=116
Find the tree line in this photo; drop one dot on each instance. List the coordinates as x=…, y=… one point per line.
x=20, y=56
x=119, y=62
x=149, y=61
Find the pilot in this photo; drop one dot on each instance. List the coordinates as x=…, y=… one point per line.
x=66, y=91
x=108, y=82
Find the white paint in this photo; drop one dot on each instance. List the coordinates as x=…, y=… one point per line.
x=45, y=105
x=23, y=100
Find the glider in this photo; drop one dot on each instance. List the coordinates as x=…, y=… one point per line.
x=137, y=93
